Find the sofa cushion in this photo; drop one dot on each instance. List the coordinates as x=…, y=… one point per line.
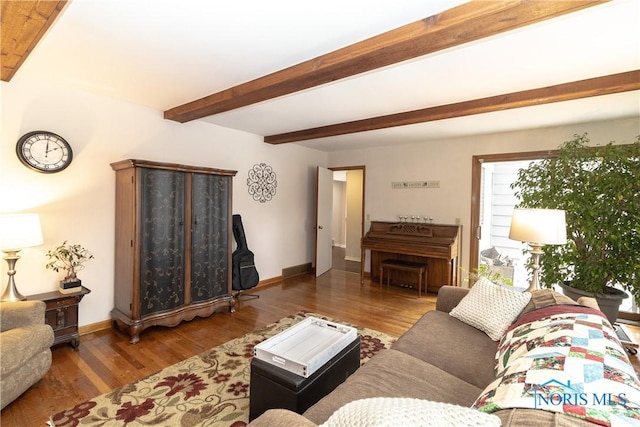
x=20, y=344
x=451, y=345
x=385, y=411
x=391, y=373
x=541, y=298
x=490, y=307
x=281, y=418
x=449, y=297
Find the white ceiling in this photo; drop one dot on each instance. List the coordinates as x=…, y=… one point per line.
x=164, y=53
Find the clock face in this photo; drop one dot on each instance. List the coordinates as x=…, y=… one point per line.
x=44, y=151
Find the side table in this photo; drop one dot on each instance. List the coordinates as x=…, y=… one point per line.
x=62, y=314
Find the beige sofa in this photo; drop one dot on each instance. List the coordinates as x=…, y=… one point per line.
x=25, y=341
x=439, y=359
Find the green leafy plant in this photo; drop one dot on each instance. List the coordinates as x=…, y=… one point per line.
x=70, y=258
x=599, y=189
x=483, y=270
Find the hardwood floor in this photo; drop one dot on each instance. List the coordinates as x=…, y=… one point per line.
x=105, y=359
x=339, y=262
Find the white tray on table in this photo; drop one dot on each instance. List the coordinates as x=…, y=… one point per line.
x=306, y=346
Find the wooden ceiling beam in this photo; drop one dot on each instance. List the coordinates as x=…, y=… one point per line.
x=615, y=83
x=454, y=27
x=23, y=23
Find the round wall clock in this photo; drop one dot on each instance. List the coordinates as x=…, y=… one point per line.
x=44, y=151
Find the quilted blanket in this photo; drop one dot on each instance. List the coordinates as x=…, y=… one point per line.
x=565, y=359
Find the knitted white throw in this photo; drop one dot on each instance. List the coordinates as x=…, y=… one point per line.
x=394, y=412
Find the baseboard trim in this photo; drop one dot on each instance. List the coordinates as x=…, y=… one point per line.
x=269, y=282
x=94, y=327
x=351, y=258
x=296, y=270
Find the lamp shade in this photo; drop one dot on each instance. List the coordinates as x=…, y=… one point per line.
x=543, y=226
x=18, y=231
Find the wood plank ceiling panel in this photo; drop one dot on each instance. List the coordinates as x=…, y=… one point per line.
x=454, y=27
x=598, y=86
x=23, y=23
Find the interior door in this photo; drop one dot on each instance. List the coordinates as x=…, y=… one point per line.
x=324, y=210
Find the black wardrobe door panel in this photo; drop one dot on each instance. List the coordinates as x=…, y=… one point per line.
x=162, y=252
x=209, y=236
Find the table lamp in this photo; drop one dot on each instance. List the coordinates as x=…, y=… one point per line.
x=538, y=227
x=17, y=231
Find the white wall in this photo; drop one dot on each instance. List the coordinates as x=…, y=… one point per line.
x=339, y=209
x=449, y=161
x=78, y=204
x=354, y=214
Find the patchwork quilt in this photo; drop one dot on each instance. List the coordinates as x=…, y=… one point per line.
x=565, y=359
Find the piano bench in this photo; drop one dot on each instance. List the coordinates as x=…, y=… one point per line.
x=401, y=265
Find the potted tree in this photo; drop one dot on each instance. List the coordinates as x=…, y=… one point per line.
x=599, y=189
x=71, y=259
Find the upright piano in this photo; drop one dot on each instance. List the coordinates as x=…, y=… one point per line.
x=436, y=245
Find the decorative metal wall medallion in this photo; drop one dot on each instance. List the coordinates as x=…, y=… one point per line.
x=262, y=182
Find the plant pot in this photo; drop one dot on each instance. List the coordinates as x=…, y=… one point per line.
x=70, y=283
x=609, y=303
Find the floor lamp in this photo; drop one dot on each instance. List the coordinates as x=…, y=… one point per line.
x=17, y=231
x=538, y=227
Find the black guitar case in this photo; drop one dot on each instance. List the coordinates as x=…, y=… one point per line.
x=244, y=274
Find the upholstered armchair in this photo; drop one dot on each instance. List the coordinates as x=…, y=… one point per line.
x=25, y=341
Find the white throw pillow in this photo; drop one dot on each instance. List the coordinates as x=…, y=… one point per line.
x=407, y=412
x=491, y=308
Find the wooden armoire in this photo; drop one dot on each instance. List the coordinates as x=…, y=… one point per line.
x=172, y=245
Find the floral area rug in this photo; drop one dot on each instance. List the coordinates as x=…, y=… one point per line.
x=210, y=389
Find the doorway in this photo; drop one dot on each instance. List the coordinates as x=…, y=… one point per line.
x=347, y=218
x=492, y=203
x=349, y=215
x=501, y=256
